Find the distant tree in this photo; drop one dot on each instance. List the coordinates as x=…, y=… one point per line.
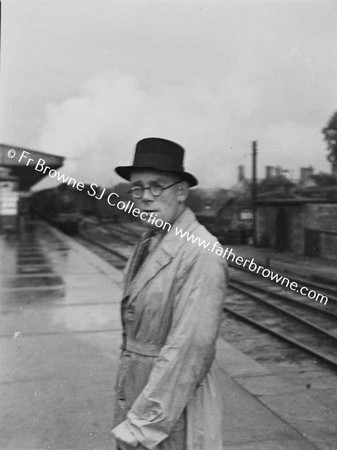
x=122, y=189
x=330, y=135
x=194, y=199
x=324, y=179
x=203, y=198
x=219, y=197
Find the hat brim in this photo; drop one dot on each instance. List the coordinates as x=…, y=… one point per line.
x=125, y=172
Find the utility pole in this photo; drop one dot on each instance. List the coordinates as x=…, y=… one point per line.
x=254, y=190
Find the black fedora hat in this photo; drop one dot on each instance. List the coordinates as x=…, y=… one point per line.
x=159, y=154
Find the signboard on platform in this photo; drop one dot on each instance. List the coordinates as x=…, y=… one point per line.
x=6, y=186
x=246, y=214
x=4, y=172
x=8, y=203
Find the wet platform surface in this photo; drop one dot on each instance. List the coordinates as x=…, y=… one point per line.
x=59, y=344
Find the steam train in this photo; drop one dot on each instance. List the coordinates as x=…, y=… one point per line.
x=57, y=206
x=65, y=207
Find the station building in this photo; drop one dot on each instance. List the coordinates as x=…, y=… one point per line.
x=17, y=176
x=305, y=226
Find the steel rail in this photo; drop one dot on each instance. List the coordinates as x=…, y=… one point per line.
x=281, y=336
x=284, y=311
x=302, y=282
x=104, y=246
x=125, y=230
x=114, y=233
x=118, y=235
x=303, y=304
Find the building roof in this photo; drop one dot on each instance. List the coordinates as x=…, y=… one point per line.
x=293, y=201
x=16, y=159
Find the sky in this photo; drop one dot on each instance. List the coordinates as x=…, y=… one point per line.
x=88, y=79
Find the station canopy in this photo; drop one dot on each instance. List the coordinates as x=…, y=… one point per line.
x=26, y=175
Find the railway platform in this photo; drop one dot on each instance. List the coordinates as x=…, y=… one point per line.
x=59, y=345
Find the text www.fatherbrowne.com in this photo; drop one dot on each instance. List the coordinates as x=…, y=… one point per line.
x=251, y=265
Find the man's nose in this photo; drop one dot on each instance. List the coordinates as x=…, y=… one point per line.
x=147, y=196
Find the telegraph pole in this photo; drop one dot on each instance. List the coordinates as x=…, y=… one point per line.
x=254, y=190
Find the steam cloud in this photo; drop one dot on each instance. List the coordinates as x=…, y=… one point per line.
x=98, y=129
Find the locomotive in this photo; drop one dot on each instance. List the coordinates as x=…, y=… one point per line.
x=65, y=206
x=57, y=206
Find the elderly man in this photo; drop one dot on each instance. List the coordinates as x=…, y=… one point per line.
x=167, y=393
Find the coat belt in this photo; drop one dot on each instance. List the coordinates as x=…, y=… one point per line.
x=141, y=348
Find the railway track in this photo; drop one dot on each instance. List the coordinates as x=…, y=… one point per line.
x=290, y=317
x=327, y=289
x=298, y=323
x=108, y=245
x=288, y=298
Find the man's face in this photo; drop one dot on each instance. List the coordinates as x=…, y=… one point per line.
x=168, y=205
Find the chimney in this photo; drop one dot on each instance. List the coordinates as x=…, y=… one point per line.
x=269, y=172
x=306, y=173
x=278, y=171
x=241, y=173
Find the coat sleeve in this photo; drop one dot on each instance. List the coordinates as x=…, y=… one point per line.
x=188, y=353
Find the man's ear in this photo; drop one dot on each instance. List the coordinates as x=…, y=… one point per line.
x=183, y=191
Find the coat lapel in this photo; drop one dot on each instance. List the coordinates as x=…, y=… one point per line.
x=161, y=257
x=155, y=262
x=131, y=266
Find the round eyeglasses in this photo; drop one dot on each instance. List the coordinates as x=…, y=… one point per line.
x=155, y=188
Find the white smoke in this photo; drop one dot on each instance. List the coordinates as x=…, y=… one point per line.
x=97, y=129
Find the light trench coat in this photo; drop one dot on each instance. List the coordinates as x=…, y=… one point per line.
x=171, y=312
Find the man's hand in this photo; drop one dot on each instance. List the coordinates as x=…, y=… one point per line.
x=125, y=438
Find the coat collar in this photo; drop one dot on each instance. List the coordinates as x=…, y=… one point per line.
x=163, y=254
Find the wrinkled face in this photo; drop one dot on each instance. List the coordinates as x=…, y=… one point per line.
x=169, y=204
